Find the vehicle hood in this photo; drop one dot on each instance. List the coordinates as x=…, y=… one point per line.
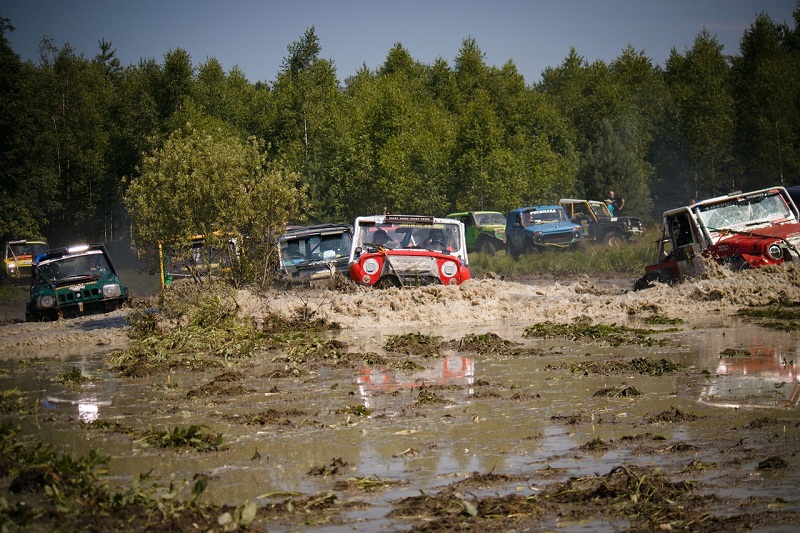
x=746, y=238
x=551, y=227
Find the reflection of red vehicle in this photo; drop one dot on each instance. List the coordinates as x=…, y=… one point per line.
x=451, y=370
x=763, y=380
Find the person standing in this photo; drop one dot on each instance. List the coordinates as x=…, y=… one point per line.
x=618, y=202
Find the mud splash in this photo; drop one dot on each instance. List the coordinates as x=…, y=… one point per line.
x=490, y=301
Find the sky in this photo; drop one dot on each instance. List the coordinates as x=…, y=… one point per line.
x=254, y=34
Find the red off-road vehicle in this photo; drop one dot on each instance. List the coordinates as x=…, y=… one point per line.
x=740, y=230
x=403, y=250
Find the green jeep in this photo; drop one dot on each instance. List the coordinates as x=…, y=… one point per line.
x=71, y=282
x=485, y=230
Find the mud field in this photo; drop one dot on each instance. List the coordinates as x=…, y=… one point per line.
x=533, y=404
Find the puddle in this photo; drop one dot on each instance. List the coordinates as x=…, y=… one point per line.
x=532, y=409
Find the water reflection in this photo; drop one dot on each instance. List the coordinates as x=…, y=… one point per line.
x=761, y=378
x=88, y=406
x=450, y=370
x=95, y=390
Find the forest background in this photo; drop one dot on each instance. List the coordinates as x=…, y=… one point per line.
x=91, y=150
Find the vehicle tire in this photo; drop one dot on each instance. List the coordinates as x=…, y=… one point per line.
x=513, y=252
x=614, y=239
x=581, y=245
x=530, y=248
x=649, y=279
x=487, y=246
x=737, y=264
x=387, y=282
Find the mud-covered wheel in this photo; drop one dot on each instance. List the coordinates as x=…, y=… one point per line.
x=649, y=279
x=581, y=245
x=387, y=282
x=487, y=246
x=737, y=264
x=613, y=238
x=530, y=248
x=513, y=252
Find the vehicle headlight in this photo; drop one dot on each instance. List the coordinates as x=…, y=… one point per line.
x=371, y=266
x=449, y=269
x=112, y=290
x=774, y=251
x=46, y=301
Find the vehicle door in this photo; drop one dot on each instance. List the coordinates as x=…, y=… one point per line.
x=686, y=244
x=471, y=232
x=515, y=231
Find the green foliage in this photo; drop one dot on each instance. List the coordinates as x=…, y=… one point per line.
x=630, y=258
x=66, y=493
x=582, y=328
x=90, y=148
x=195, y=437
x=208, y=182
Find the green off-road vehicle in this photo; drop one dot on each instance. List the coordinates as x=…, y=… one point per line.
x=485, y=230
x=71, y=282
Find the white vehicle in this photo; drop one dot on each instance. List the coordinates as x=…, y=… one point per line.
x=402, y=250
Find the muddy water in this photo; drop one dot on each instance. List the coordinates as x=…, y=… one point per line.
x=463, y=411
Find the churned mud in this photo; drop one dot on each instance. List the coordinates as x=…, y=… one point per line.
x=534, y=404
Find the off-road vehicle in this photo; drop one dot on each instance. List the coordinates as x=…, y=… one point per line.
x=310, y=253
x=532, y=229
x=599, y=225
x=71, y=282
x=18, y=256
x=485, y=230
x=739, y=230
x=403, y=250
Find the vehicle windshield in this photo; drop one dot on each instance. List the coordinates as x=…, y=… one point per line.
x=315, y=248
x=488, y=219
x=746, y=211
x=431, y=236
x=29, y=248
x=545, y=216
x=73, y=267
x=600, y=209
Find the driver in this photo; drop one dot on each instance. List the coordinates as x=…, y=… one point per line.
x=381, y=238
x=436, y=241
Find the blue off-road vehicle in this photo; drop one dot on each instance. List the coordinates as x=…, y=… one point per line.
x=532, y=229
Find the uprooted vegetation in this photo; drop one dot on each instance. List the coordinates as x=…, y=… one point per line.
x=639, y=365
x=205, y=321
x=51, y=490
x=778, y=317
x=583, y=329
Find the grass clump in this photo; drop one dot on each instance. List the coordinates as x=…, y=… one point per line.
x=10, y=401
x=583, y=328
x=631, y=257
x=781, y=318
x=202, y=321
x=52, y=491
x=194, y=437
x=413, y=344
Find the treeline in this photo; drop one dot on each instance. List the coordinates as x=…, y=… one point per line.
x=75, y=132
